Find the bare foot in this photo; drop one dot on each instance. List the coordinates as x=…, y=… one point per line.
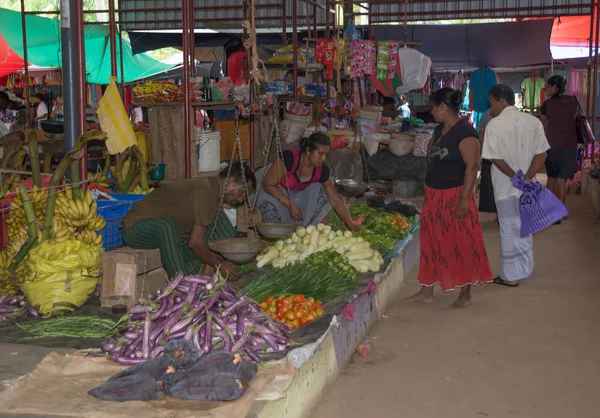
x=425, y=295
x=464, y=298
x=461, y=302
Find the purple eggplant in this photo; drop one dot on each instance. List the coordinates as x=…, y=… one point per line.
x=161, y=309
x=129, y=361
x=196, y=341
x=264, y=330
x=270, y=339
x=146, y=337
x=183, y=289
x=176, y=335
x=183, y=323
x=31, y=311
x=252, y=354
x=212, y=282
x=240, y=342
x=2, y=299
x=237, y=305
x=192, y=293
x=189, y=333
x=226, y=340
x=239, y=326
x=157, y=351
x=131, y=335
x=174, y=309
x=159, y=326
x=107, y=347
x=203, y=280
x=227, y=297
x=207, y=346
x=131, y=347
x=177, y=279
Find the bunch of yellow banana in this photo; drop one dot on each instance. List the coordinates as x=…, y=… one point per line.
x=100, y=180
x=10, y=283
x=138, y=190
x=89, y=237
x=16, y=217
x=96, y=224
x=76, y=213
x=60, y=231
x=39, y=197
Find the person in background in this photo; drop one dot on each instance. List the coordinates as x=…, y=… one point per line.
x=21, y=122
x=300, y=187
x=4, y=99
x=404, y=107
x=558, y=115
x=58, y=109
x=178, y=218
x=513, y=141
x=452, y=249
x=289, y=77
x=42, y=109
x=337, y=110
x=390, y=108
x=487, y=203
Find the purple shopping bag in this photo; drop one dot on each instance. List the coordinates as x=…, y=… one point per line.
x=538, y=206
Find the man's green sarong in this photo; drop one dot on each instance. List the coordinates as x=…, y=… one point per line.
x=175, y=255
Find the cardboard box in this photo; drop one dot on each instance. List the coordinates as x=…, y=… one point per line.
x=129, y=272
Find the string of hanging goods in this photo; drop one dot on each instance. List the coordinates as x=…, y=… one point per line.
x=239, y=249
x=277, y=229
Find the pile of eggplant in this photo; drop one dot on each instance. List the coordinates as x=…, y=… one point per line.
x=201, y=309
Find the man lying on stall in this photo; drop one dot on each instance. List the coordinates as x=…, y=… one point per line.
x=177, y=218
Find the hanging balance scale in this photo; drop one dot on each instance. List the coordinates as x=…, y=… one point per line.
x=280, y=229
x=239, y=249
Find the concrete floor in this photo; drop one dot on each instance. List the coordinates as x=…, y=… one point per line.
x=529, y=352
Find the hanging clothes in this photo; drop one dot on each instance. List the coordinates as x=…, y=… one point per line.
x=481, y=83
x=533, y=89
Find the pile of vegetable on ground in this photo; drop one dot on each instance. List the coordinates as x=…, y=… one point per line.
x=200, y=309
x=322, y=238
x=293, y=311
x=382, y=228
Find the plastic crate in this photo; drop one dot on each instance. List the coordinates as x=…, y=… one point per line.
x=113, y=213
x=128, y=199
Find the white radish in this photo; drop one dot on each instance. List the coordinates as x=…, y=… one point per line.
x=279, y=244
x=320, y=227
x=288, y=241
x=310, y=229
x=348, y=234
x=360, y=255
x=339, y=233
x=359, y=246
x=374, y=266
x=322, y=238
x=301, y=232
x=327, y=229
x=331, y=235
x=296, y=239
x=271, y=255
x=361, y=266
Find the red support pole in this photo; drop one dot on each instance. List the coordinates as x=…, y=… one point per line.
x=250, y=13
x=192, y=45
x=26, y=62
x=112, y=28
x=81, y=84
x=295, y=46
x=185, y=12
x=283, y=22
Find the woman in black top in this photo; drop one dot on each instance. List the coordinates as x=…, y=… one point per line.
x=452, y=248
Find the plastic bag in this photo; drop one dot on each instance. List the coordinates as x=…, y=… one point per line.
x=63, y=275
x=114, y=120
x=216, y=376
x=538, y=206
x=414, y=68
x=345, y=163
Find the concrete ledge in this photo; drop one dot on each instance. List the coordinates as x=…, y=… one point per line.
x=336, y=350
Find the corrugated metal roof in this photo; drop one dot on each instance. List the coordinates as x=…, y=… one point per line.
x=425, y=10
x=215, y=14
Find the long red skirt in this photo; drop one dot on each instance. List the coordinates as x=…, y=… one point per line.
x=452, y=251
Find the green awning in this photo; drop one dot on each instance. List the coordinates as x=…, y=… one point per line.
x=44, y=48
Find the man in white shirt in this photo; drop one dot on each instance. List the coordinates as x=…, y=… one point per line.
x=513, y=141
x=404, y=107
x=42, y=109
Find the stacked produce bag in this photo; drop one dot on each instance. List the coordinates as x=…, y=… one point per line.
x=53, y=253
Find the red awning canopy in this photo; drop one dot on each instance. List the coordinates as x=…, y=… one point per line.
x=9, y=60
x=570, y=31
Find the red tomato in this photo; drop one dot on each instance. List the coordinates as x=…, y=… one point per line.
x=291, y=324
x=290, y=316
x=278, y=304
x=270, y=299
x=303, y=321
x=281, y=297
x=284, y=309
x=264, y=304
x=290, y=299
x=311, y=300
x=274, y=317
x=280, y=314
x=299, y=298
x=272, y=309
x=297, y=323
x=298, y=313
x=311, y=317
